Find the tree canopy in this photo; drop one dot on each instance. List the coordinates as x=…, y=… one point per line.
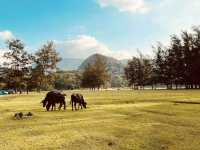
x=95, y=75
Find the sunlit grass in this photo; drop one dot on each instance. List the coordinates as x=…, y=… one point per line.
x=114, y=120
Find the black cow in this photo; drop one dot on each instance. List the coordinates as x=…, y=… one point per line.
x=52, y=98
x=77, y=98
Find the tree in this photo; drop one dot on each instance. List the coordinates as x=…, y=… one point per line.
x=46, y=60
x=196, y=56
x=187, y=49
x=148, y=71
x=67, y=80
x=159, y=64
x=138, y=72
x=131, y=73
x=18, y=66
x=95, y=75
x=36, y=78
x=179, y=63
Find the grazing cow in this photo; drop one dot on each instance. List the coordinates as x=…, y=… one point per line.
x=52, y=98
x=77, y=98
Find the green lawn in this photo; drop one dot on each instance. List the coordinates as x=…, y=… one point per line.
x=114, y=120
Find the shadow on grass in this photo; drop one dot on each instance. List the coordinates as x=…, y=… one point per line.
x=185, y=102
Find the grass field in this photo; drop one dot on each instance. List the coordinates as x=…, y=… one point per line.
x=114, y=120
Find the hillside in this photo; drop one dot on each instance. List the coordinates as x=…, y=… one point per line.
x=114, y=66
x=115, y=69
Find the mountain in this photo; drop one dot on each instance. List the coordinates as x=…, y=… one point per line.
x=70, y=63
x=114, y=66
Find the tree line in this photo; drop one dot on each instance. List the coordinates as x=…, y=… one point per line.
x=26, y=72
x=23, y=71
x=176, y=65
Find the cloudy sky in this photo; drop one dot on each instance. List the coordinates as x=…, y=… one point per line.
x=82, y=27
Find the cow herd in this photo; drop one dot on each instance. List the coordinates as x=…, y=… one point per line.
x=55, y=97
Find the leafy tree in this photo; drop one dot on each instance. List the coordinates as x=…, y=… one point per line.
x=176, y=55
x=88, y=77
x=131, y=72
x=66, y=80
x=179, y=64
x=95, y=75
x=159, y=64
x=46, y=60
x=118, y=81
x=148, y=71
x=138, y=72
x=187, y=48
x=18, y=66
x=196, y=57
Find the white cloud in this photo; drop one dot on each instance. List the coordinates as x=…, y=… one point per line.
x=174, y=16
x=6, y=35
x=83, y=46
x=133, y=6
x=2, y=59
x=167, y=18
x=1, y=54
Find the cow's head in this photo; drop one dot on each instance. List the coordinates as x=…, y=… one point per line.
x=44, y=102
x=84, y=104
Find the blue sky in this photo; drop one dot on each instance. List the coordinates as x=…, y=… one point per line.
x=82, y=27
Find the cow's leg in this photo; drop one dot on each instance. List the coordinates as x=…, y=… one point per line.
x=72, y=105
x=64, y=105
x=75, y=105
x=60, y=106
x=53, y=107
x=78, y=106
x=48, y=106
x=81, y=106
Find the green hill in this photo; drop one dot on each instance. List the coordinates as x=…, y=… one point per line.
x=115, y=68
